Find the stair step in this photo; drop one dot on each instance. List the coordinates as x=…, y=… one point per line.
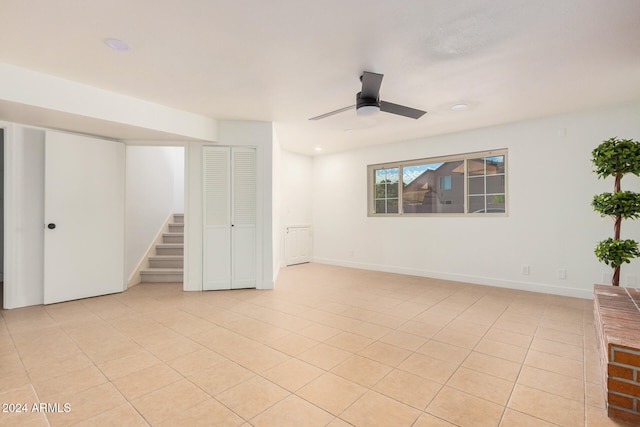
x=178, y=218
x=176, y=227
x=173, y=238
x=170, y=249
x=163, y=275
x=166, y=261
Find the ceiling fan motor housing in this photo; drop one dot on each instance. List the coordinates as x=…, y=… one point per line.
x=366, y=102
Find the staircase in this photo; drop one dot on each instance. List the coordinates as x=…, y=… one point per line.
x=167, y=264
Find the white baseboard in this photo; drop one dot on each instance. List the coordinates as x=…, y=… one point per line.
x=476, y=280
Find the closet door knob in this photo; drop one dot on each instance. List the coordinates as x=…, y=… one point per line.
x=51, y=226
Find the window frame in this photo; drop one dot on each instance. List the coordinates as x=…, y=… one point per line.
x=464, y=157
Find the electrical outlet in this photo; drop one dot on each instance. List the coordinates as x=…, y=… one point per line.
x=525, y=269
x=562, y=274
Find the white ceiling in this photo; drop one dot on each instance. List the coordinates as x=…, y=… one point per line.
x=288, y=60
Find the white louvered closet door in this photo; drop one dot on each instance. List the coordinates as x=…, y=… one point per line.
x=243, y=213
x=229, y=218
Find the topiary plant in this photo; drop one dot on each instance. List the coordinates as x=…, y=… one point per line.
x=617, y=157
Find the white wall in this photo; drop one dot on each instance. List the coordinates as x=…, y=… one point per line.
x=231, y=133
x=24, y=216
x=150, y=197
x=1, y=203
x=550, y=225
x=178, y=179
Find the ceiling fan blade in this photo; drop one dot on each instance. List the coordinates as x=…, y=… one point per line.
x=322, y=116
x=401, y=110
x=371, y=85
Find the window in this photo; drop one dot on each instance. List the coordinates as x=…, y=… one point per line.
x=386, y=188
x=473, y=183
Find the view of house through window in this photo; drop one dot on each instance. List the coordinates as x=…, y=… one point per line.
x=472, y=183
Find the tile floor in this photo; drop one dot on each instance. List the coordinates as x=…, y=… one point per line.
x=330, y=346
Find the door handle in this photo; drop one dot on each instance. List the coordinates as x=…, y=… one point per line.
x=51, y=226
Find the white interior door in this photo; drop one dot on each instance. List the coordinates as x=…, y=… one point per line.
x=217, y=218
x=243, y=234
x=84, y=216
x=297, y=244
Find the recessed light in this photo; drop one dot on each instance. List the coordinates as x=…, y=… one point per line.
x=318, y=148
x=116, y=44
x=459, y=107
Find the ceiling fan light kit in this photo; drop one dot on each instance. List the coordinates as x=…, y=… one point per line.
x=368, y=101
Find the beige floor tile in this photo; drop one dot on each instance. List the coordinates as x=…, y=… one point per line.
x=123, y=415
x=547, y=406
x=550, y=362
x=331, y=392
x=458, y=338
x=197, y=361
x=146, y=380
x=510, y=325
x=361, y=370
x=553, y=383
x=221, y=377
x=292, y=412
x=557, y=348
x=403, y=340
x=491, y=365
x=349, y=342
x=428, y=367
x=206, y=413
x=443, y=351
x=251, y=397
x=337, y=422
x=179, y=346
x=14, y=381
x=507, y=337
x=513, y=418
x=559, y=336
x=385, y=353
x=597, y=417
x=20, y=414
x=501, y=350
x=463, y=409
x=428, y=420
x=420, y=328
x=324, y=356
x=54, y=389
x=293, y=343
x=358, y=323
x=374, y=409
x=118, y=368
x=169, y=401
x=47, y=366
x=485, y=386
x=407, y=388
x=387, y=320
x=260, y=358
x=293, y=374
x=87, y=404
x=319, y=332
x=595, y=395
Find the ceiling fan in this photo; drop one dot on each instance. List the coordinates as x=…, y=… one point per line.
x=368, y=101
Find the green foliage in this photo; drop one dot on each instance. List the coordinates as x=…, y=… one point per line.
x=616, y=252
x=616, y=156
x=622, y=203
